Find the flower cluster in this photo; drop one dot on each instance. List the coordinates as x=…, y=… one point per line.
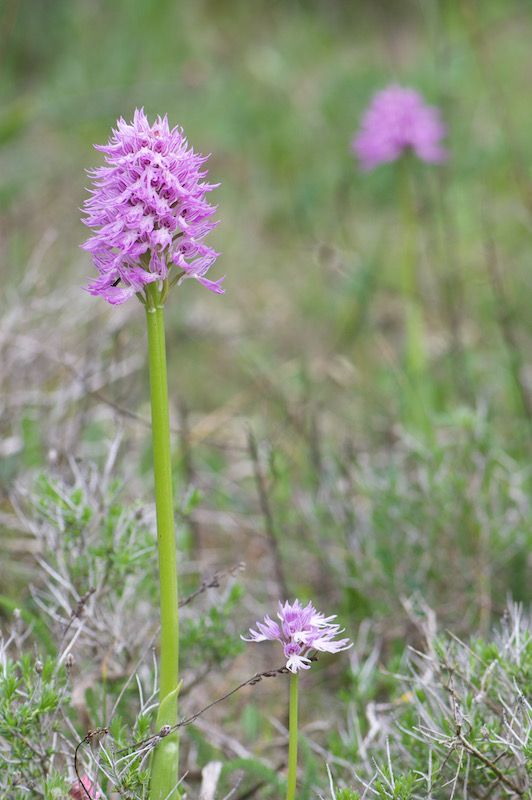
x=85, y=788
x=300, y=630
x=148, y=211
x=397, y=120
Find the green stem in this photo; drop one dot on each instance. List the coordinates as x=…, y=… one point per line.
x=418, y=389
x=415, y=355
x=292, y=739
x=165, y=764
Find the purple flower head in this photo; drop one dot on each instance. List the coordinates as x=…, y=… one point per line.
x=148, y=211
x=300, y=630
x=397, y=120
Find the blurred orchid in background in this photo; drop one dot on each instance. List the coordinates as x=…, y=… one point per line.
x=397, y=120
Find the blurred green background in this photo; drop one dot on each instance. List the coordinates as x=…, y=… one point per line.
x=275, y=90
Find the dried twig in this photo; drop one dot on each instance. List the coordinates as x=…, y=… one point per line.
x=93, y=737
x=78, y=611
x=267, y=514
x=167, y=729
x=488, y=762
x=213, y=582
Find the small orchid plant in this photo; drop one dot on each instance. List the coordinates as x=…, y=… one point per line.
x=149, y=217
x=302, y=631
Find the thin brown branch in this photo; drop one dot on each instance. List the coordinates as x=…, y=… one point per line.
x=267, y=515
x=78, y=611
x=167, y=729
x=488, y=763
x=92, y=738
x=212, y=583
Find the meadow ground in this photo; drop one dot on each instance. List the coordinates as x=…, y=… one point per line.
x=310, y=444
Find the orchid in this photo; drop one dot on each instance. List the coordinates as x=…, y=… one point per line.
x=398, y=120
x=300, y=630
x=148, y=211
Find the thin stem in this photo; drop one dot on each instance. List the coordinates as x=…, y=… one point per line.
x=292, y=738
x=166, y=758
x=417, y=399
x=414, y=346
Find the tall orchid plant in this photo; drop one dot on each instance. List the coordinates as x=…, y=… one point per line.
x=149, y=216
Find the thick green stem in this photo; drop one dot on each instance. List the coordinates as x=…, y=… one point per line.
x=165, y=766
x=292, y=739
